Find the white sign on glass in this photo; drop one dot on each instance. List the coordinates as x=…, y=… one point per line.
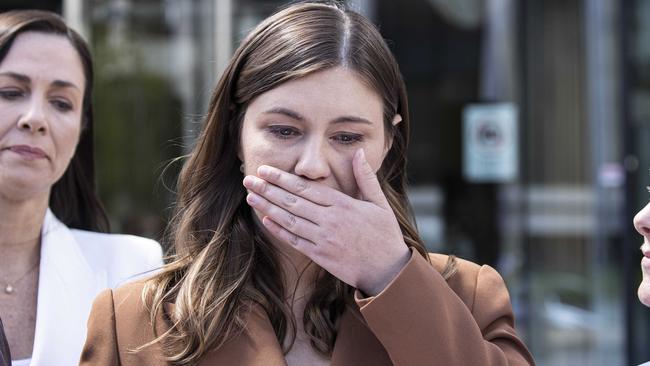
x=490, y=143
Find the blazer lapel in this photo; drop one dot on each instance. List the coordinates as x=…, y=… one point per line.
x=66, y=288
x=255, y=346
x=356, y=344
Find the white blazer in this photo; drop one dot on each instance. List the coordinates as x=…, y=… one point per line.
x=75, y=266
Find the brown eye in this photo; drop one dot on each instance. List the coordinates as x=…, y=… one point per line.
x=284, y=132
x=61, y=105
x=348, y=138
x=11, y=94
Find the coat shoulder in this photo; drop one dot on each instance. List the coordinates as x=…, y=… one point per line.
x=119, y=327
x=469, y=278
x=118, y=243
x=464, y=267
x=122, y=257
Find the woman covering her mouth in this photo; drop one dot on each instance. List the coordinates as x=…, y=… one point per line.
x=294, y=242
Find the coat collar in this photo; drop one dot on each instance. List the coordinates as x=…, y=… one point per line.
x=257, y=345
x=66, y=288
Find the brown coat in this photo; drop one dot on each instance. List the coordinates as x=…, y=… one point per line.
x=419, y=319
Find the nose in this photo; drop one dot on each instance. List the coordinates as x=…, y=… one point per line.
x=313, y=163
x=34, y=119
x=642, y=221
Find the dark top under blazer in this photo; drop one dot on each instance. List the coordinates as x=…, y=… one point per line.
x=419, y=319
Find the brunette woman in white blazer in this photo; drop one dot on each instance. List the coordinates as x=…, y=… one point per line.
x=54, y=256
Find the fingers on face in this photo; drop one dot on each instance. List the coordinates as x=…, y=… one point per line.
x=282, y=198
x=285, y=235
x=318, y=194
x=289, y=221
x=367, y=180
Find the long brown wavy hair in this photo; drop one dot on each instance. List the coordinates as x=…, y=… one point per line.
x=222, y=264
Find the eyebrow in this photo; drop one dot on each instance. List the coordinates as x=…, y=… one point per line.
x=297, y=116
x=25, y=79
x=287, y=112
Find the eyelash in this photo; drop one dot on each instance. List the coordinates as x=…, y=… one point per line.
x=61, y=105
x=286, y=132
x=14, y=94
x=279, y=132
x=11, y=94
x=351, y=138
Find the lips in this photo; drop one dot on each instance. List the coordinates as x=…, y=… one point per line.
x=28, y=152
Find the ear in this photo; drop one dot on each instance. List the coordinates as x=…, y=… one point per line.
x=396, y=120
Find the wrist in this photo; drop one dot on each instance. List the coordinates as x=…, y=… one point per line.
x=384, y=277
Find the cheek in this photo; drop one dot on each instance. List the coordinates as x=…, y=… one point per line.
x=343, y=170
x=257, y=151
x=65, y=141
x=375, y=156
x=8, y=118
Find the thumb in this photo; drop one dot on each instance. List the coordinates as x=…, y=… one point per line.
x=367, y=180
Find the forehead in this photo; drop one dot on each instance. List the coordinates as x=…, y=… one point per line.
x=324, y=94
x=44, y=56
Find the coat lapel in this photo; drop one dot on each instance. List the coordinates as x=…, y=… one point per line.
x=66, y=288
x=355, y=343
x=256, y=346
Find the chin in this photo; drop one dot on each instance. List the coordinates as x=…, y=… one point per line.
x=644, y=293
x=22, y=188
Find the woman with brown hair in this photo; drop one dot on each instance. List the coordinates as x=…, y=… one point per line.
x=55, y=256
x=293, y=240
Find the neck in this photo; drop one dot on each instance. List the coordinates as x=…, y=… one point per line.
x=299, y=272
x=20, y=231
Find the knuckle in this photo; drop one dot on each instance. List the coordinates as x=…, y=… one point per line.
x=294, y=239
x=329, y=240
x=275, y=175
x=290, y=200
x=262, y=186
x=291, y=221
x=301, y=185
x=344, y=204
x=335, y=226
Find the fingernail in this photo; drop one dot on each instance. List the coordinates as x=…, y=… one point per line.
x=248, y=181
x=264, y=170
x=251, y=199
